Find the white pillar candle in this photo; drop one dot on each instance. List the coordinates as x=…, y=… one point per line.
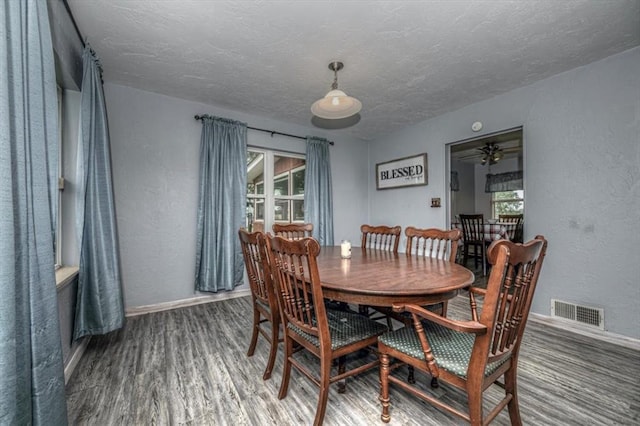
x=345, y=249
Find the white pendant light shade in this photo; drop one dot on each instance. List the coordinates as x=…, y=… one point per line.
x=336, y=104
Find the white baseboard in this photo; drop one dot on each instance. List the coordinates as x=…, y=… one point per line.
x=198, y=300
x=616, y=339
x=75, y=358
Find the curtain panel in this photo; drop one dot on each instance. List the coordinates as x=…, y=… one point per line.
x=455, y=182
x=509, y=181
x=221, y=204
x=100, y=305
x=318, y=197
x=31, y=366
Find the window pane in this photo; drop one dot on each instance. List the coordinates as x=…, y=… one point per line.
x=509, y=207
x=281, y=211
x=508, y=202
x=298, y=210
x=508, y=195
x=285, y=168
x=297, y=182
x=255, y=215
x=281, y=185
x=255, y=173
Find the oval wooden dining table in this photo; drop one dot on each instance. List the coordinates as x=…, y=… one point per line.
x=380, y=278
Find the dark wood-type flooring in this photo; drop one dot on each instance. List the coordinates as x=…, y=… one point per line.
x=189, y=366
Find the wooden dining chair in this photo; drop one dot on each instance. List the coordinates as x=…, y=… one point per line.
x=293, y=231
x=473, y=354
x=515, y=232
x=434, y=243
x=327, y=334
x=381, y=237
x=263, y=296
x=473, y=237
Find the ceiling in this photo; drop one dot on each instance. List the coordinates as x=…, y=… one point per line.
x=509, y=142
x=407, y=61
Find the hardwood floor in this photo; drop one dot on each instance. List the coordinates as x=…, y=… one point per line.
x=189, y=366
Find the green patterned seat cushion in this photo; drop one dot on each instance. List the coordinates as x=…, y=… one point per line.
x=345, y=328
x=451, y=349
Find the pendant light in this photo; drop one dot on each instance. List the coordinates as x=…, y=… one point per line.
x=336, y=104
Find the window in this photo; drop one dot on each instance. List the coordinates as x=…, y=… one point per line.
x=507, y=202
x=275, y=189
x=57, y=248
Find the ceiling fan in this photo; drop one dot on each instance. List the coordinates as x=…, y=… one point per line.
x=491, y=153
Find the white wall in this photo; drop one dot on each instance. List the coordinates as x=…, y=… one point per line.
x=155, y=145
x=582, y=180
x=464, y=200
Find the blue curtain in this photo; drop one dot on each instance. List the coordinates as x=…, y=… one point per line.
x=221, y=205
x=31, y=369
x=99, y=306
x=318, y=194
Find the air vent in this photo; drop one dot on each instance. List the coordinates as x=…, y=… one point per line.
x=593, y=317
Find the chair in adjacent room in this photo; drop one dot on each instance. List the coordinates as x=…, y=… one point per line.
x=515, y=232
x=472, y=354
x=293, y=231
x=263, y=296
x=381, y=237
x=473, y=237
x=327, y=334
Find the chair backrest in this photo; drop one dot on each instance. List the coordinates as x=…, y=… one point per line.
x=298, y=287
x=472, y=227
x=256, y=261
x=381, y=237
x=293, y=231
x=432, y=242
x=515, y=229
x=505, y=310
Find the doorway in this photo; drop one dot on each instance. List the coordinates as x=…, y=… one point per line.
x=484, y=173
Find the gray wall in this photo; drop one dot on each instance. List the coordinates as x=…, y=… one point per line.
x=155, y=145
x=582, y=180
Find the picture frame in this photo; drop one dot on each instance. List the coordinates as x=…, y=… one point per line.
x=402, y=172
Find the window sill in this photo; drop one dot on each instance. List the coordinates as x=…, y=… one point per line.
x=65, y=276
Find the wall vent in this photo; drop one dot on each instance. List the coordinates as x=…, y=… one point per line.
x=593, y=317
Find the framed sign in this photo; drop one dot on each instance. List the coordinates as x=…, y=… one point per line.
x=408, y=171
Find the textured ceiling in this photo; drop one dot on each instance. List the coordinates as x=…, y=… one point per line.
x=407, y=61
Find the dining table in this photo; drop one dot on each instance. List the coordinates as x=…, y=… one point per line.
x=381, y=278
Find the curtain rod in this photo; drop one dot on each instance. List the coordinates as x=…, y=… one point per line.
x=272, y=132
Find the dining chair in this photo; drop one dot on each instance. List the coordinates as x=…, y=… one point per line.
x=327, y=334
x=470, y=355
x=293, y=231
x=434, y=243
x=473, y=237
x=263, y=296
x=381, y=237
x=515, y=232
